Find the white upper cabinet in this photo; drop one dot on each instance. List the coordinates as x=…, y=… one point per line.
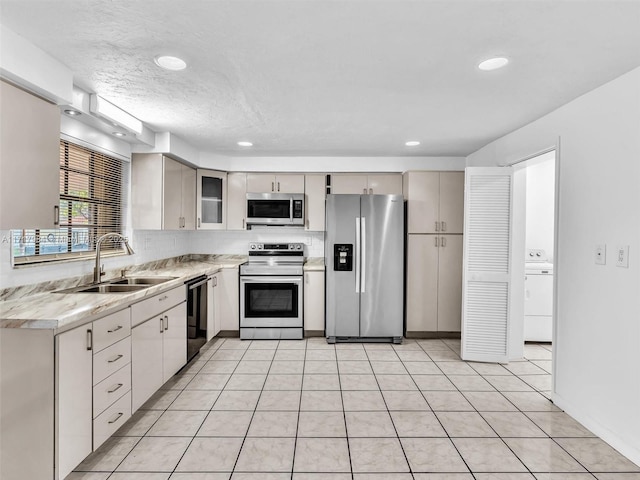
x=275, y=183
x=163, y=193
x=211, y=201
x=372, y=183
x=435, y=202
x=29, y=160
x=236, y=201
x=314, y=189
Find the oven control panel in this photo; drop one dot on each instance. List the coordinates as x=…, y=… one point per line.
x=276, y=248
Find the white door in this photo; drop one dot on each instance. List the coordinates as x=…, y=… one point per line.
x=487, y=264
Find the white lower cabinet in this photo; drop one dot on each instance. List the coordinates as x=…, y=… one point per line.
x=313, y=301
x=213, y=315
x=93, y=381
x=73, y=418
x=227, y=299
x=158, y=343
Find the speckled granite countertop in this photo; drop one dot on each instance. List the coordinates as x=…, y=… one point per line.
x=39, y=307
x=314, y=264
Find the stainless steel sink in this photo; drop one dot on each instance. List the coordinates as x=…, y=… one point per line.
x=141, y=280
x=105, y=288
x=119, y=285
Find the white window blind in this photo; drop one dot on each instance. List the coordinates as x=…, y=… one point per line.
x=91, y=204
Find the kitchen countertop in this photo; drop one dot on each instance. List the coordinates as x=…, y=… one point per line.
x=31, y=308
x=314, y=264
x=64, y=311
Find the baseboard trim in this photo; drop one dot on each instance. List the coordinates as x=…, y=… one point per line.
x=430, y=335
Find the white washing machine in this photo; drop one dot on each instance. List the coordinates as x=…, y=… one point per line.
x=538, y=297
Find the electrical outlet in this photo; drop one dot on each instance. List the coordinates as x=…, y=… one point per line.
x=622, y=256
x=601, y=255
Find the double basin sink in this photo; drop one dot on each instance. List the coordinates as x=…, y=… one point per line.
x=119, y=285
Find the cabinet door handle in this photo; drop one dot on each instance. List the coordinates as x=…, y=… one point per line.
x=163, y=298
x=115, y=359
x=115, y=388
x=198, y=222
x=119, y=327
x=117, y=417
x=89, y=339
x=443, y=242
x=307, y=224
x=273, y=188
x=161, y=325
x=56, y=214
x=436, y=242
x=371, y=191
x=166, y=323
x=444, y=226
x=215, y=281
x=364, y=190
x=437, y=226
x=278, y=186
x=243, y=224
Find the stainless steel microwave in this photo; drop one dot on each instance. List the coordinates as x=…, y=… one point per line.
x=275, y=209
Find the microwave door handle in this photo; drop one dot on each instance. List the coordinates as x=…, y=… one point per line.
x=291, y=210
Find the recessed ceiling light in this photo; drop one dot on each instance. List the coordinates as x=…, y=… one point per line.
x=170, y=63
x=119, y=134
x=245, y=144
x=493, y=63
x=73, y=113
x=412, y=143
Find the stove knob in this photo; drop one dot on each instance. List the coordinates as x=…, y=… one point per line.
x=253, y=247
x=298, y=247
x=259, y=247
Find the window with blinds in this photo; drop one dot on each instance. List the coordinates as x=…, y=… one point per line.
x=91, y=204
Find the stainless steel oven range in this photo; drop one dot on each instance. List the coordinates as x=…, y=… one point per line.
x=271, y=292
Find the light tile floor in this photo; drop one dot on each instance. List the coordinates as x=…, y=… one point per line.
x=306, y=410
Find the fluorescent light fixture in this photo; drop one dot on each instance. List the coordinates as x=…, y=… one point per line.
x=412, y=143
x=170, y=63
x=73, y=113
x=115, y=115
x=245, y=144
x=493, y=63
x=119, y=134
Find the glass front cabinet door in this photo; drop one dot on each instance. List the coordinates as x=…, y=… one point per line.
x=212, y=197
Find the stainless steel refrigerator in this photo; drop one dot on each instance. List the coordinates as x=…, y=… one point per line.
x=364, y=264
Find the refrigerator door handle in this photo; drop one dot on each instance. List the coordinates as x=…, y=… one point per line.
x=357, y=254
x=363, y=249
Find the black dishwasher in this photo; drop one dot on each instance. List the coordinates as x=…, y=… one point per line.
x=196, y=314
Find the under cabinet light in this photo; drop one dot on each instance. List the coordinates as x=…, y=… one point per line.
x=114, y=114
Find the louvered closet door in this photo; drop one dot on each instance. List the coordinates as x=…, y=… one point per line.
x=487, y=264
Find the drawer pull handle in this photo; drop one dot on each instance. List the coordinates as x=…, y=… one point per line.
x=164, y=297
x=166, y=323
x=89, y=339
x=116, y=358
x=119, y=327
x=120, y=414
x=117, y=387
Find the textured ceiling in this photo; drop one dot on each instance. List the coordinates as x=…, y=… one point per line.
x=356, y=78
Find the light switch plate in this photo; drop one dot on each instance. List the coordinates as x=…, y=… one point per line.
x=622, y=256
x=601, y=255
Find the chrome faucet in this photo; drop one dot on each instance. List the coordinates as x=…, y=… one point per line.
x=98, y=270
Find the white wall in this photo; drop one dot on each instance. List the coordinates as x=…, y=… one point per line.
x=540, y=205
x=597, y=371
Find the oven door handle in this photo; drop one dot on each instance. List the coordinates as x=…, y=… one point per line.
x=271, y=279
x=196, y=285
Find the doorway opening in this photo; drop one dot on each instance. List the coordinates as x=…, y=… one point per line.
x=539, y=259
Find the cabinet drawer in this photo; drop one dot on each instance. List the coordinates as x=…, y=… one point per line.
x=111, y=389
x=111, y=329
x=111, y=419
x=153, y=306
x=111, y=359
